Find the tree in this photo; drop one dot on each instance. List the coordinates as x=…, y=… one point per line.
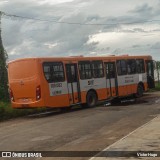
x=158, y=70
x=3, y=69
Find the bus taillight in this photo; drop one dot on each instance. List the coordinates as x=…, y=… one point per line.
x=38, y=93
x=11, y=95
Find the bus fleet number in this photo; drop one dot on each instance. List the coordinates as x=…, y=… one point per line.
x=55, y=85
x=91, y=82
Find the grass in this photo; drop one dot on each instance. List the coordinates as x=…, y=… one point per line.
x=7, y=112
x=157, y=87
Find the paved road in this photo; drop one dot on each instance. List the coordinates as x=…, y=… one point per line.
x=136, y=145
x=91, y=129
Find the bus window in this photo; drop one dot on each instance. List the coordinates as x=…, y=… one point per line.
x=110, y=70
x=140, y=65
x=118, y=67
x=121, y=67
x=85, y=69
x=72, y=73
x=97, y=67
x=53, y=71
x=131, y=66
x=150, y=73
x=47, y=72
x=150, y=68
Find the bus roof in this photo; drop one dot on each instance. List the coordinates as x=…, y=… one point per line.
x=75, y=58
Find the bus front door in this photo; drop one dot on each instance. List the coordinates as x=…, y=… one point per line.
x=111, y=77
x=73, y=83
x=150, y=73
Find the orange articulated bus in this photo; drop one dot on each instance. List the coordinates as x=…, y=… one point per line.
x=68, y=81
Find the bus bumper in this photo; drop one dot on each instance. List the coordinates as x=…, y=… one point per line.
x=36, y=104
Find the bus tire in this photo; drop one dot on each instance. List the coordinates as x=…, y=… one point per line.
x=140, y=91
x=91, y=99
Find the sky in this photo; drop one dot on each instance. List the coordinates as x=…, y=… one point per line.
x=120, y=34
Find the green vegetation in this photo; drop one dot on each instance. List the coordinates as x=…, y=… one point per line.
x=157, y=87
x=158, y=70
x=3, y=70
x=7, y=112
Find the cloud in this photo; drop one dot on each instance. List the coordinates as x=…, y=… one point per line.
x=156, y=46
x=27, y=38
x=136, y=46
x=144, y=9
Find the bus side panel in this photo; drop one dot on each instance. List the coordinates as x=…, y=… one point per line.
x=97, y=84
x=145, y=86
x=83, y=96
x=102, y=94
x=127, y=84
x=56, y=94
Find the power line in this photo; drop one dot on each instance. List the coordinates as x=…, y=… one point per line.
x=74, y=23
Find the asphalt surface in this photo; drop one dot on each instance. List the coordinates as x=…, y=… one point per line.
x=90, y=129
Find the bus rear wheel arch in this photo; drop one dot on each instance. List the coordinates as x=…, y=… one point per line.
x=91, y=98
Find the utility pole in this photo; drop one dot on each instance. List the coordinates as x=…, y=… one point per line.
x=3, y=68
x=0, y=37
x=158, y=68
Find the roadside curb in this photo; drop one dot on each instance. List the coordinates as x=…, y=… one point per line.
x=124, y=144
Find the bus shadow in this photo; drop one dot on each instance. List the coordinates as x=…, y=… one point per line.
x=128, y=101
x=115, y=104
x=56, y=112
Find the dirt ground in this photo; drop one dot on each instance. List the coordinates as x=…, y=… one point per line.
x=89, y=129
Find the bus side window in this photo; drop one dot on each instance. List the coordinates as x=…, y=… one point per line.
x=85, y=69
x=58, y=73
x=140, y=65
x=98, y=71
x=131, y=66
x=72, y=74
x=121, y=67
x=53, y=71
x=47, y=72
x=112, y=70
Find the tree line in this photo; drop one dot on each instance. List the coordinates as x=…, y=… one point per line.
x=158, y=70
x=4, y=95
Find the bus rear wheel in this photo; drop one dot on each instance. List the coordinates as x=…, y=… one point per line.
x=91, y=99
x=139, y=91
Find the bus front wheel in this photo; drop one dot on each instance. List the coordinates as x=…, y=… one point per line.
x=139, y=91
x=91, y=99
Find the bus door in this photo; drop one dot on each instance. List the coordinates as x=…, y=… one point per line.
x=73, y=83
x=150, y=73
x=111, y=76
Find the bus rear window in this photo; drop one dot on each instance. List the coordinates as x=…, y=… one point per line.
x=53, y=71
